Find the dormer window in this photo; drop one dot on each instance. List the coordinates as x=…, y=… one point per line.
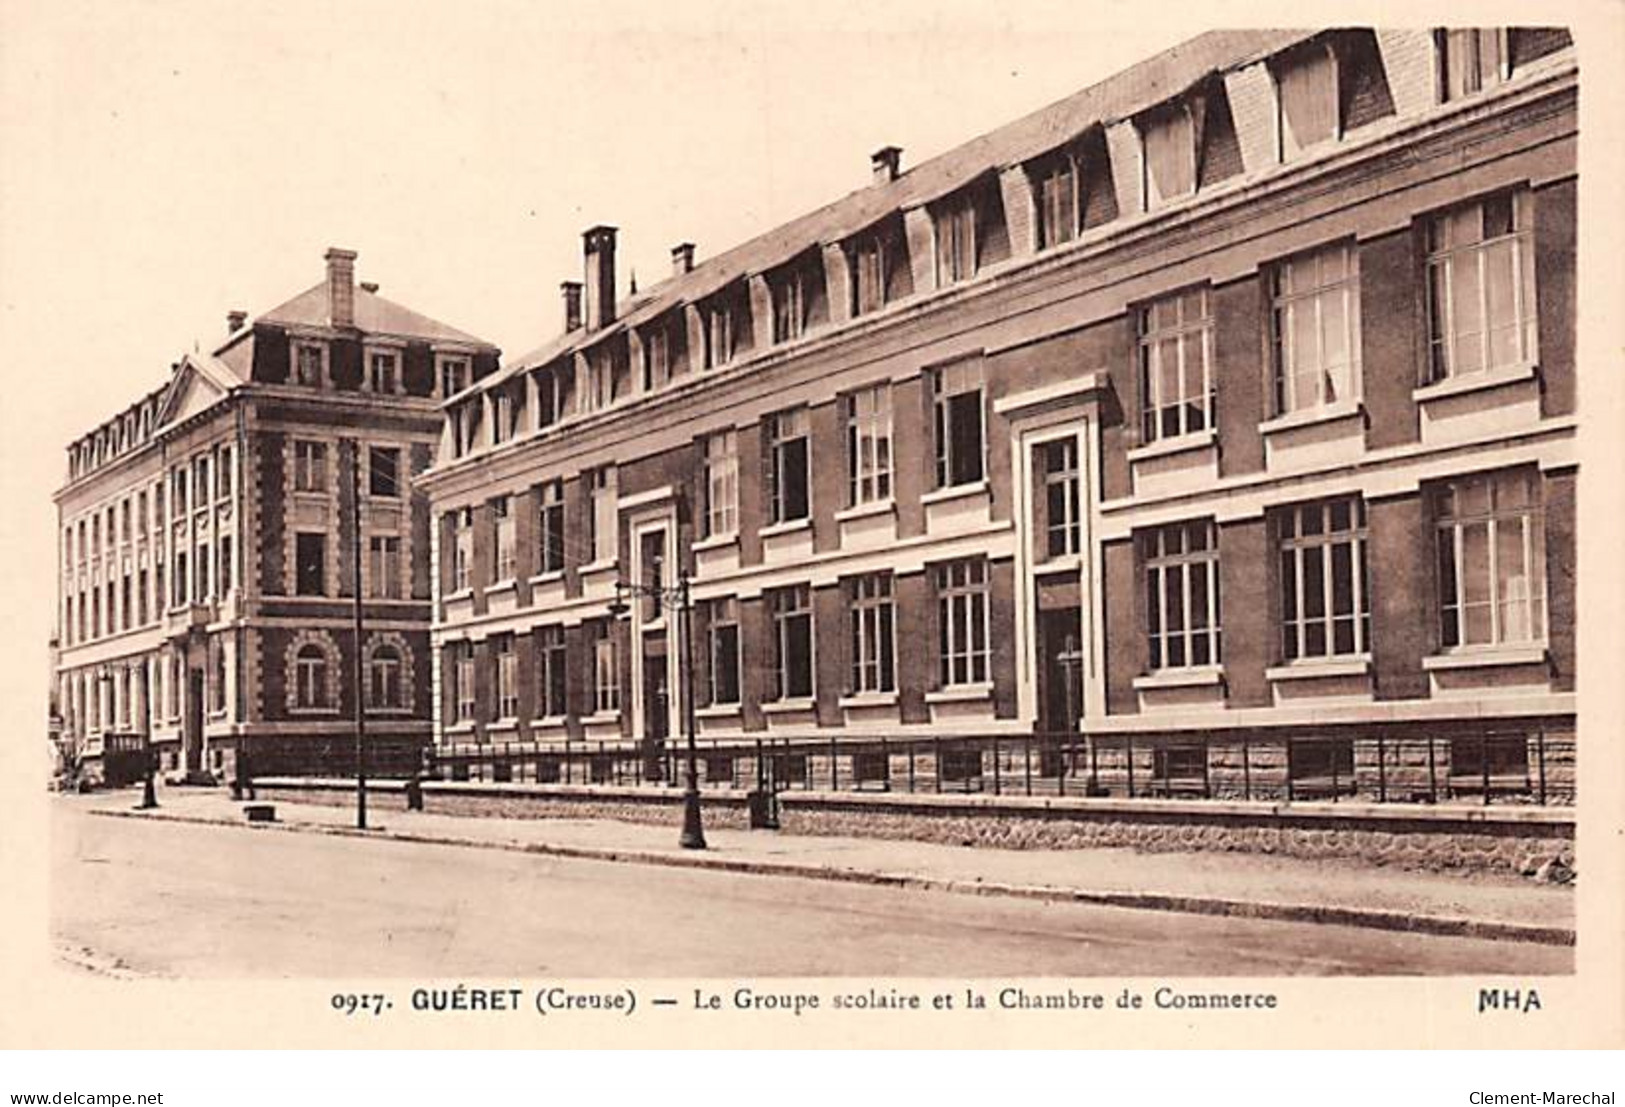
x=656, y=356
x=956, y=239
x=1168, y=144
x=309, y=363
x=1055, y=180
x=454, y=375
x=384, y=372
x=798, y=296
x=721, y=330
x=1326, y=89
x=877, y=260
x=1471, y=59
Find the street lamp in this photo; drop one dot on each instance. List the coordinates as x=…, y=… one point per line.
x=693, y=836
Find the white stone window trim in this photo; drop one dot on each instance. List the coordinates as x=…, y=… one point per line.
x=789, y=706
x=1310, y=668
x=790, y=526
x=888, y=506
x=720, y=711
x=716, y=541
x=1191, y=676
x=397, y=350
x=398, y=641
x=955, y=492
x=961, y=693
x=1166, y=447
x=1353, y=408
x=1483, y=657
x=298, y=342
x=869, y=699
x=324, y=641
x=1477, y=382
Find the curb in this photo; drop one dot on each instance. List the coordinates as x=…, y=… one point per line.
x=1369, y=918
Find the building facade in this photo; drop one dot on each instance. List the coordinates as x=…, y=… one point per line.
x=208, y=537
x=1210, y=431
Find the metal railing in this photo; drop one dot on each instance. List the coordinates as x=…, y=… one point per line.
x=1533, y=765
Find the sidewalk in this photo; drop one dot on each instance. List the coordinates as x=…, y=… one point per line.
x=1247, y=885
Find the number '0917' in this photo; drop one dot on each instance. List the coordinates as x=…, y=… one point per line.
x=351, y=1004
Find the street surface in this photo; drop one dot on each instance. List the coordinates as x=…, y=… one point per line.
x=187, y=900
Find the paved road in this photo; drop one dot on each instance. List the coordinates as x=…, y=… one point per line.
x=204, y=901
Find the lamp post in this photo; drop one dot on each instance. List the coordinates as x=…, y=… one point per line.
x=693, y=836
x=359, y=669
x=149, y=792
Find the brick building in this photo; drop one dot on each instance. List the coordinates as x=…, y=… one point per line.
x=1209, y=431
x=207, y=536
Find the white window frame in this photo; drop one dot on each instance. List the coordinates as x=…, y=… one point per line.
x=384, y=563
x=1056, y=181
x=723, y=614
x=463, y=679
x=507, y=674
x=784, y=429
x=1529, y=523
x=964, y=643
x=955, y=223
x=462, y=550
x=550, y=651
x=457, y=368
x=1302, y=295
x=787, y=605
x=721, y=461
x=1309, y=538
x=374, y=358
x=1443, y=261
x=868, y=444
x=948, y=382
x=1152, y=334
x=310, y=663
x=874, y=634
x=310, y=466
x=299, y=348
x=601, y=486
x=506, y=564
x=1171, y=550
x=1070, y=479
x=551, y=528
x=386, y=689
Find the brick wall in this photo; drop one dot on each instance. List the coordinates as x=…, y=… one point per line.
x=1403, y=604
x=1555, y=223
x=1391, y=338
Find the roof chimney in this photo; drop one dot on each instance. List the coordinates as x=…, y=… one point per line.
x=370, y=286
x=682, y=259
x=599, y=247
x=572, y=305
x=235, y=320
x=341, y=287
x=887, y=163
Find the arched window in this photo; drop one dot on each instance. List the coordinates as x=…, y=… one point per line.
x=384, y=687
x=310, y=676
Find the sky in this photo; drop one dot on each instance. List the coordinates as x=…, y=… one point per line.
x=164, y=163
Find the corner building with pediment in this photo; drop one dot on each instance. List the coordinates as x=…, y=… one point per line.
x=1209, y=432
x=208, y=537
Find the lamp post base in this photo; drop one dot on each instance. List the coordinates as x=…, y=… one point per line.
x=149, y=794
x=693, y=832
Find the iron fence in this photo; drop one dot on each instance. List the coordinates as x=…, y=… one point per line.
x=1534, y=765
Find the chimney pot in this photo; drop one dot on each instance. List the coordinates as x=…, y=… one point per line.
x=572, y=305
x=370, y=286
x=887, y=163
x=341, y=287
x=235, y=321
x=598, y=245
x=682, y=259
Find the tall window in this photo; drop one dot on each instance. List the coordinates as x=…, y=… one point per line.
x=309, y=466
x=874, y=649
x=606, y=669
x=721, y=483
x=224, y=578
x=788, y=475
x=384, y=552
x=868, y=445
x=385, y=372
x=506, y=559
x=463, y=681
x=1472, y=58
x=507, y=666
x=1492, y=560
x=792, y=641
x=1325, y=589
x=217, y=675
x=957, y=407
x=1063, y=508
x=551, y=682
x=1176, y=381
x=462, y=549
x=1055, y=196
x=550, y=534
x=310, y=676
x=310, y=564
x=1182, y=594
x=962, y=630
x=384, y=471
x=601, y=487
x=1315, y=328
x=955, y=221
x=722, y=652
x=384, y=672
x=308, y=363
x=1481, y=286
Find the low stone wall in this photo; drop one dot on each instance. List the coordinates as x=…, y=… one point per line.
x=1503, y=839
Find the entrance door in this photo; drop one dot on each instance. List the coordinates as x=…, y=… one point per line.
x=656, y=704
x=192, y=734
x=1061, y=675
